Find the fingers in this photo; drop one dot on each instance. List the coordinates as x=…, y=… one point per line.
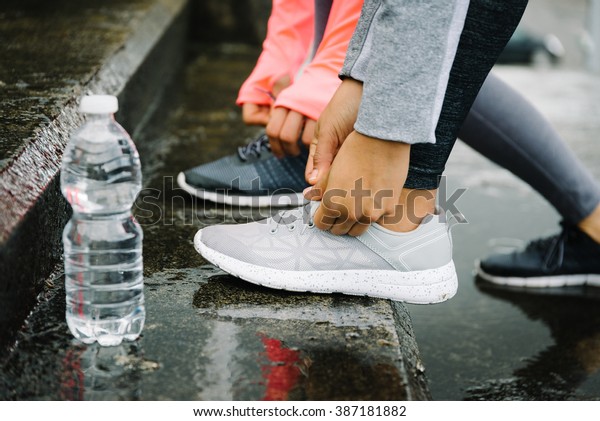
x=316, y=192
x=361, y=187
x=335, y=216
x=283, y=130
x=325, y=217
x=339, y=214
x=274, y=126
x=258, y=114
x=342, y=226
x=332, y=207
x=310, y=162
x=320, y=156
x=358, y=229
x=290, y=133
x=309, y=131
x=255, y=114
x=326, y=214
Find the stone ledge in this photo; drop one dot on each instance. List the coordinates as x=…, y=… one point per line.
x=214, y=337
x=58, y=52
x=218, y=338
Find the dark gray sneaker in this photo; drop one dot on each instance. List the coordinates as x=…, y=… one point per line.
x=565, y=259
x=251, y=177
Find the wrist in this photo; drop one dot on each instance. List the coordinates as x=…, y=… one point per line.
x=353, y=84
x=382, y=147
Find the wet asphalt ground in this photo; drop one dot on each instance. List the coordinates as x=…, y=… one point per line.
x=501, y=343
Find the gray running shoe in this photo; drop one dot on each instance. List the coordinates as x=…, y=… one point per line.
x=287, y=252
x=251, y=177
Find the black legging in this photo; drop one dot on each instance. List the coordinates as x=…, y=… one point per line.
x=501, y=125
x=488, y=26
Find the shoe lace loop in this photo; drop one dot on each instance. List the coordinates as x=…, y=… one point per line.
x=254, y=148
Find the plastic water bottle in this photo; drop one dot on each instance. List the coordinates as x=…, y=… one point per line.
x=100, y=178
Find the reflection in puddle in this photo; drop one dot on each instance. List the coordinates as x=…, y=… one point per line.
x=95, y=373
x=301, y=346
x=230, y=297
x=557, y=372
x=281, y=370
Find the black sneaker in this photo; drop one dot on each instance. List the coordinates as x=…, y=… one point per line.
x=565, y=259
x=251, y=177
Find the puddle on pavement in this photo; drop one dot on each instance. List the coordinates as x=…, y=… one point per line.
x=306, y=348
x=499, y=343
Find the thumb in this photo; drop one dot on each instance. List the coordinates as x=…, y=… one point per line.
x=316, y=192
x=320, y=156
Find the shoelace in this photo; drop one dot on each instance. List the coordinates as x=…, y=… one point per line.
x=291, y=216
x=307, y=211
x=254, y=148
x=554, y=247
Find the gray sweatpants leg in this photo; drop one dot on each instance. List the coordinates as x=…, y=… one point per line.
x=508, y=130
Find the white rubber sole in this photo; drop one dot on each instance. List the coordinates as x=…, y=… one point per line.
x=417, y=287
x=541, y=281
x=273, y=201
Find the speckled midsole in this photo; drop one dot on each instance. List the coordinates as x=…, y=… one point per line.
x=427, y=286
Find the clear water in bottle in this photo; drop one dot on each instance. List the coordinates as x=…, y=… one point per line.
x=101, y=177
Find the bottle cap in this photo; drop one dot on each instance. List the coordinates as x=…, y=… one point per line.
x=99, y=104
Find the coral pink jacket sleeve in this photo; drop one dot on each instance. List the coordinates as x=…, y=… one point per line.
x=289, y=34
x=312, y=90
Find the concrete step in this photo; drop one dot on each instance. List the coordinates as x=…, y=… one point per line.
x=208, y=335
x=212, y=337
x=54, y=53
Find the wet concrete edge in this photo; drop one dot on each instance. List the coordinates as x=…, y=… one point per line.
x=50, y=212
x=31, y=224
x=417, y=387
